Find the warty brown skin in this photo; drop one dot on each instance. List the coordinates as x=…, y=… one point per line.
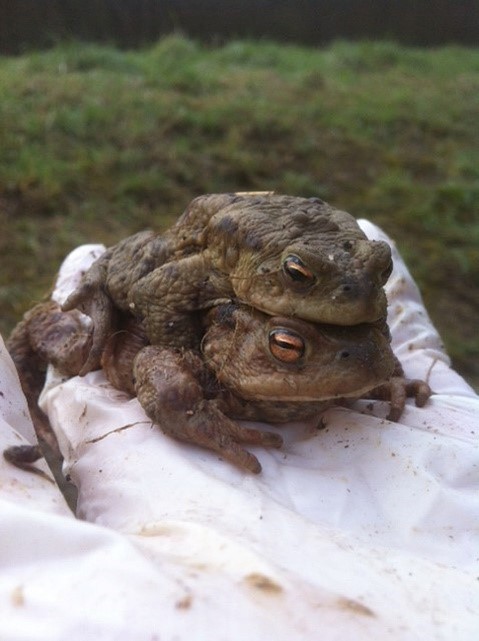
x=250, y=366
x=280, y=254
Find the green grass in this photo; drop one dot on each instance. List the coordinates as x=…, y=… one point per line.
x=97, y=143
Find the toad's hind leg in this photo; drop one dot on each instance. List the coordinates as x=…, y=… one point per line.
x=45, y=335
x=174, y=397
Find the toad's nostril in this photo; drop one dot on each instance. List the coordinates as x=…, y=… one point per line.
x=348, y=290
x=344, y=354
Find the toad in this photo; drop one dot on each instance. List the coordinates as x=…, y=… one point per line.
x=249, y=366
x=256, y=367
x=285, y=255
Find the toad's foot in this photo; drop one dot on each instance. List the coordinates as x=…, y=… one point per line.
x=397, y=389
x=91, y=298
x=23, y=457
x=57, y=337
x=173, y=389
x=46, y=335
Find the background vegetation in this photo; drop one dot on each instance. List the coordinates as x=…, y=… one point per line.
x=25, y=24
x=97, y=143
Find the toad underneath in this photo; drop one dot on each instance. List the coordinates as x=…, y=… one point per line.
x=249, y=366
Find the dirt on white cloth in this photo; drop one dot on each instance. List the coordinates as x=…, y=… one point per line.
x=366, y=529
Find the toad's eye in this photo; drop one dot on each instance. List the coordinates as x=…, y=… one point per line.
x=297, y=270
x=286, y=346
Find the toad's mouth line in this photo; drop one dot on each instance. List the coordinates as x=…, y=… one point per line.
x=299, y=398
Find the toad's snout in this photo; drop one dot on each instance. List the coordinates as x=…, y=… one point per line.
x=370, y=357
x=362, y=300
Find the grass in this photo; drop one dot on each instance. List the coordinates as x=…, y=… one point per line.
x=96, y=143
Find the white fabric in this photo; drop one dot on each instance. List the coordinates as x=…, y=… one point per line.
x=366, y=529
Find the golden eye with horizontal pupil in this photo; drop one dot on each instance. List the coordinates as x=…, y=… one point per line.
x=286, y=346
x=297, y=270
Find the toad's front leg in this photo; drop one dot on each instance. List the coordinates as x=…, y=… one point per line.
x=171, y=387
x=396, y=390
x=91, y=298
x=169, y=297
